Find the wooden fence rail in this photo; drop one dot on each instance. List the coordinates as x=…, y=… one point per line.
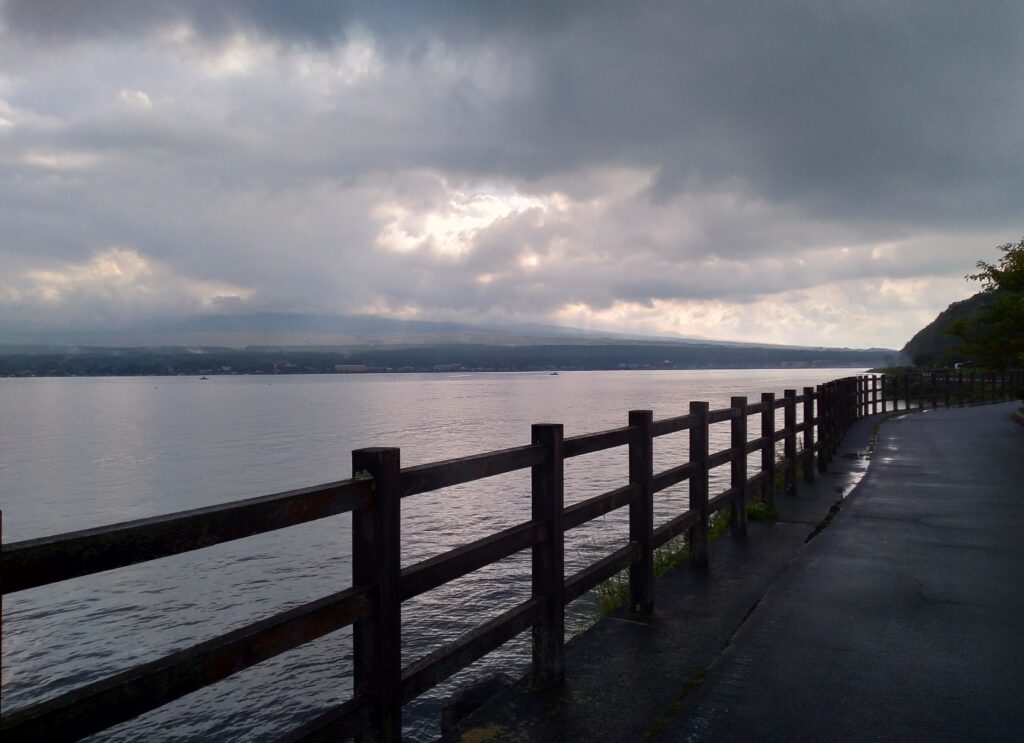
x=814, y=424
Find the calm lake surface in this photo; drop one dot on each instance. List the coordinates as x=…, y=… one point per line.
x=78, y=453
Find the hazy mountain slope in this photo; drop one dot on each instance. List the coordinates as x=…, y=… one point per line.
x=295, y=330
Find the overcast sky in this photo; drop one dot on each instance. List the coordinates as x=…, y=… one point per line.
x=795, y=172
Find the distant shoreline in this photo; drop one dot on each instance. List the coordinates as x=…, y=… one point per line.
x=464, y=358
x=371, y=372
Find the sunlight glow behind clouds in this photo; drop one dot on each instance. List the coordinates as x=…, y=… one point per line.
x=451, y=229
x=60, y=160
x=122, y=276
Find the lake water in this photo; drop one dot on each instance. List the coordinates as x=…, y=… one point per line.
x=77, y=453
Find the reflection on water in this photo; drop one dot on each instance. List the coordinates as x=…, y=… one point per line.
x=76, y=453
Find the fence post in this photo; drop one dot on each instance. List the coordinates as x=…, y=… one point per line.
x=768, y=447
x=808, y=423
x=884, y=386
x=960, y=388
x=699, y=483
x=906, y=392
x=895, y=393
x=548, y=501
x=738, y=468
x=945, y=387
x=789, y=443
x=846, y=405
x=836, y=419
x=641, y=511
x=850, y=411
x=843, y=398
x=822, y=411
x=376, y=565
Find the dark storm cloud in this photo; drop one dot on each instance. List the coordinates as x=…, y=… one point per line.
x=319, y=22
x=888, y=109
x=704, y=151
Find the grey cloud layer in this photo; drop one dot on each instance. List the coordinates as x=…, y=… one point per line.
x=702, y=150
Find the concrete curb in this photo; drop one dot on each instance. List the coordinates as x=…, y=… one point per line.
x=1019, y=418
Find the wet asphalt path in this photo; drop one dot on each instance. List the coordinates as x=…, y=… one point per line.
x=904, y=619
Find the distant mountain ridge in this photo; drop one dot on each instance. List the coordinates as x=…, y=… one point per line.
x=270, y=330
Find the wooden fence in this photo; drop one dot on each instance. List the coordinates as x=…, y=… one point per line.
x=373, y=603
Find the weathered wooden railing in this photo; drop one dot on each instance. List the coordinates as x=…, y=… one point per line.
x=379, y=584
x=919, y=389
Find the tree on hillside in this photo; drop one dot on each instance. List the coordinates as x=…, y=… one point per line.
x=994, y=336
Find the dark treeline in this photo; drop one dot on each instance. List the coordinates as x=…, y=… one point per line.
x=468, y=357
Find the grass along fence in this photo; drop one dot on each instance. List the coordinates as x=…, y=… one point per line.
x=814, y=424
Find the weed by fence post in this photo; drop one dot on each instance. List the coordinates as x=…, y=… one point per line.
x=641, y=511
x=376, y=564
x=548, y=567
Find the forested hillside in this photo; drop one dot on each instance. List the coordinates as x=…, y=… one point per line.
x=933, y=345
